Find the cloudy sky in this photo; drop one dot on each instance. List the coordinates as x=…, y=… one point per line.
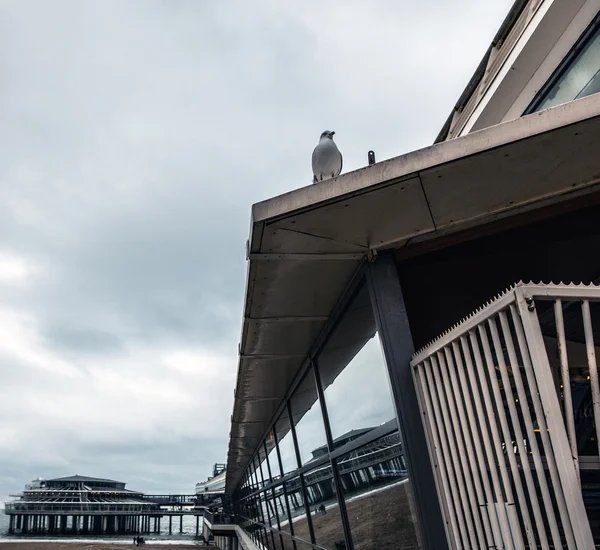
x=134, y=137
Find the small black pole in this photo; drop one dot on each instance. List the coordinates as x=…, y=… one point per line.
x=371, y=158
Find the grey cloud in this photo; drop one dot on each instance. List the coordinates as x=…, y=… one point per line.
x=135, y=136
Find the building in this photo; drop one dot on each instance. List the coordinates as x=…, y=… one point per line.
x=80, y=504
x=209, y=492
x=347, y=278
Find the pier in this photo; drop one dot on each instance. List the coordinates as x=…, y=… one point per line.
x=82, y=505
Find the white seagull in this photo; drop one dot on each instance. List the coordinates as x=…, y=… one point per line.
x=326, y=158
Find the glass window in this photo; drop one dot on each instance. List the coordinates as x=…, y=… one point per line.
x=286, y=444
x=578, y=76
x=324, y=509
x=378, y=495
x=354, y=375
x=272, y=457
x=308, y=419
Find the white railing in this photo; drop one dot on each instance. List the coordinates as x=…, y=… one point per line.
x=504, y=456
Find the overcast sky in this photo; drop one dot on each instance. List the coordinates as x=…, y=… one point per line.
x=134, y=137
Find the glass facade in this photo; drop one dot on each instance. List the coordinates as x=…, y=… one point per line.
x=331, y=474
x=577, y=76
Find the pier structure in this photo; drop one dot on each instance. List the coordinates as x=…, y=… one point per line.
x=87, y=505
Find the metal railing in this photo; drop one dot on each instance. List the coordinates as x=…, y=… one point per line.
x=506, y=470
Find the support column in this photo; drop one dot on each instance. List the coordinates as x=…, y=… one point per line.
x=396, y=340
x=11, y=523
x=25, y=523
x=159, y=518
x=180, y=524
x=197, y=524
x=19, y=521
x=170, y=525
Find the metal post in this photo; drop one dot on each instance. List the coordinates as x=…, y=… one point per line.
x=181, y=524
x=170, y=524
x=397, y=344
x=197, y=524
x=566, y=381
x=337, y=481
x=285, y=498
x=274, y=500
x=302, y=483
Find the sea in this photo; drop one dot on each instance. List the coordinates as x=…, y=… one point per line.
x=187, y=537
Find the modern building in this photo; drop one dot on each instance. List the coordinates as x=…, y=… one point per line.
x=489, y=436
x=79, y=504
x=209, y=492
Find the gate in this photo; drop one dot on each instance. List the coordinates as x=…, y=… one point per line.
x=505, y=458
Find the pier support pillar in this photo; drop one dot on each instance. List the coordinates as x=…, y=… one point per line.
x=19, y=522
x=170, y=525
x=159, y=525
x=25, y=524
x=11, y=524
x=197, y=524
x=63, y=524
x=180, y=524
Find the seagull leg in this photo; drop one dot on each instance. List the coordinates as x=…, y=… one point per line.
x=315, y=180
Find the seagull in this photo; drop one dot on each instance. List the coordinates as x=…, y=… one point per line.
x=326, y=158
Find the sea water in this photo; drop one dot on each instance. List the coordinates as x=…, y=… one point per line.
x=187, y=537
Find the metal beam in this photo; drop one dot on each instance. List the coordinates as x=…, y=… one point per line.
x=397, y=344
x=327, y=257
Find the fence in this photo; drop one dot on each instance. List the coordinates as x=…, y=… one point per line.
x=504, y=456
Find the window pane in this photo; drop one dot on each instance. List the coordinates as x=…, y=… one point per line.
x=378, y=495
x=353, y=374
x=325, y=512
x=281, y=506
x=286, y=444
x=581, y=78
x=308, y=419
x=273, y=460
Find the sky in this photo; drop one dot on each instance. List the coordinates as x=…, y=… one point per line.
x=134, y=137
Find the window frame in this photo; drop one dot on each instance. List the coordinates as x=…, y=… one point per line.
x=564, y=65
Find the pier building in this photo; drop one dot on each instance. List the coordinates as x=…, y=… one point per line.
x=89, y=505
x=343, y=436
x=80, y=504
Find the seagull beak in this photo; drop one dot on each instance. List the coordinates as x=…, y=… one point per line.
x=331, y=133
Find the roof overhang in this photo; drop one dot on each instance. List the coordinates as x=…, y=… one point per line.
x=305, y=246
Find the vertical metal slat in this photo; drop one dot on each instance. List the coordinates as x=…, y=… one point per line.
x=593, y=366
x=438, y=361
x=465, y=449
x=566, y=381
x=516, y=476
x=506, y=477
x=556, y=426
x=439, y=459
x=440, y=428
x=486, y=447
x=537, y=457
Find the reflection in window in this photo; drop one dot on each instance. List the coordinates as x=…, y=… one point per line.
x=286, y=443
x=578, y=76
x=308, y=419
x=353, y=374
x=272, y=457
x=378, y=495
x=324, y=509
